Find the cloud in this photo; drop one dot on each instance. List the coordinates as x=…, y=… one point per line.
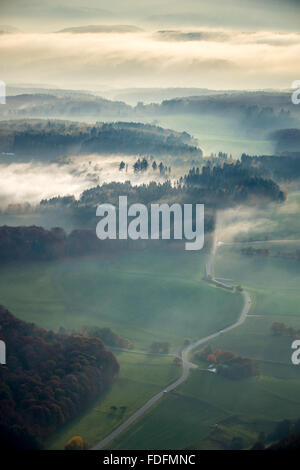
x=189, y=58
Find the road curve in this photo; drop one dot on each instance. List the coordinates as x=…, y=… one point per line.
x=186, y=364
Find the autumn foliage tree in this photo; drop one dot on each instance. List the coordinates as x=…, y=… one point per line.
x=228, y=363
x=48, y=379
x=76, y=443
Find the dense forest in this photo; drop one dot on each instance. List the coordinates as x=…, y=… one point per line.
x=38, y=244
x=48, y=140
x=49, y=379
x=279, y=168
x=58, y=103
x=231, y=184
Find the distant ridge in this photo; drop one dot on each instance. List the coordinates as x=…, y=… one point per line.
x=101, y=29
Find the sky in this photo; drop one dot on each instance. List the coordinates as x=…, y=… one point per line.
x=237, y=44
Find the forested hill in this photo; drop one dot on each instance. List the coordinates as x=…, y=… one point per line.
x=59, y=103
x=53, y=103
x=45, y=139
x=48, y=379
x=257, y=110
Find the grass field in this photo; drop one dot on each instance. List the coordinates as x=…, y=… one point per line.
x=145, y=296
x=208, y=410
x=141, y=376
x=216, y=135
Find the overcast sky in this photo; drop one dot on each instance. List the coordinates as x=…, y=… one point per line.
x=257, y=14
x=216, y=44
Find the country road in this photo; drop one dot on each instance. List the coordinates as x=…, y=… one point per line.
x=186, y=364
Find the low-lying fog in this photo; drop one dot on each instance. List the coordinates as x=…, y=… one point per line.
x=34, y=181
x=269, y=222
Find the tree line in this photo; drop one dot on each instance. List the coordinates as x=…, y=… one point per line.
x=42, y=140
x=38, y=244
x=280, y=329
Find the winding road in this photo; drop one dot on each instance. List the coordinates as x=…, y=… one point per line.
x=186, y=364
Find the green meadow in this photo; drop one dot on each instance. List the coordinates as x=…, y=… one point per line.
x=141, y=377
x=144, y=296
x=216, y=134
x=273, y=281
x=208, y=410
